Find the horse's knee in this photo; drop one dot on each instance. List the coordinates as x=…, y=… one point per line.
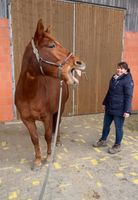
x=35, y=139
x=48, y=138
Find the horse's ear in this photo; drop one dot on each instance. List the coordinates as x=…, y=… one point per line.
x=48, y=30
x=39, y=30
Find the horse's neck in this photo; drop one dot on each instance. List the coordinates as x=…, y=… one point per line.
x=28, y=81
x=29, y=61
x=28, y=86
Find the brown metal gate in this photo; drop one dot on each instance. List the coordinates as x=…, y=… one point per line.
x=95, y=33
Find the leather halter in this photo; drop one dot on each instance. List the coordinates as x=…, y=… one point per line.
x=39, y=58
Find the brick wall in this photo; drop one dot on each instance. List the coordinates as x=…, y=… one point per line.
x=130, y=55
x=6, y=102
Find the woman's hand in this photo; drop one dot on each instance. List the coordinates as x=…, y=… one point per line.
x=126, y=115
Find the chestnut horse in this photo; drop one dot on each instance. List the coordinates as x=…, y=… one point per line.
x=45, y=62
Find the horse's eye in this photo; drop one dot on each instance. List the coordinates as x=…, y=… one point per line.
x=52, y=45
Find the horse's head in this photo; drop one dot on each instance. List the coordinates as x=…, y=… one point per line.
x=54, y=60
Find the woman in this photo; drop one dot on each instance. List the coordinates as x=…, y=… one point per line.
x=117, y=105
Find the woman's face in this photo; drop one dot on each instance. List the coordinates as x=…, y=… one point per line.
x=121, y=71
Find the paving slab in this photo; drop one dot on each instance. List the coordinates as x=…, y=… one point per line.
x=79, y=171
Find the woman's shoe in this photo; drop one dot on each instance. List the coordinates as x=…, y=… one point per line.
x=100, y=143
x=114, y=149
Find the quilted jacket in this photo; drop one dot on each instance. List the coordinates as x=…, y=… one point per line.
x=118, y=99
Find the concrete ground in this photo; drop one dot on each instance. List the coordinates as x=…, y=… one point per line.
x=79, y=171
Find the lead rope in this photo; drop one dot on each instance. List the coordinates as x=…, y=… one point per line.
x=54, y=144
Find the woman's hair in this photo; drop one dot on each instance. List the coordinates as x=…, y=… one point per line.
x=123, y=65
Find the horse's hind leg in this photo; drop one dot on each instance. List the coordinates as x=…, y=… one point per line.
x=35, y=140
x=58, y=142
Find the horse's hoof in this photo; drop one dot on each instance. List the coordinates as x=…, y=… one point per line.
x=59, y=144
x=36, y=166
x=48, y=158
x=44, y=160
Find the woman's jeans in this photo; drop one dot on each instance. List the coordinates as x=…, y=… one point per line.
x=119, y=122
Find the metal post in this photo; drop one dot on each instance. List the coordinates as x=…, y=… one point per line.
x=74, y=33
x=12, y=57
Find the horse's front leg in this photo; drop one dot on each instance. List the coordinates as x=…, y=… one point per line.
x=35, y=140
x=48, y=123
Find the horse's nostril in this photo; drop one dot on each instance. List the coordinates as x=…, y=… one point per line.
x=78, y=62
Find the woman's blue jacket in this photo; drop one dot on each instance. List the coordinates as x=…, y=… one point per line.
x=118, y=99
